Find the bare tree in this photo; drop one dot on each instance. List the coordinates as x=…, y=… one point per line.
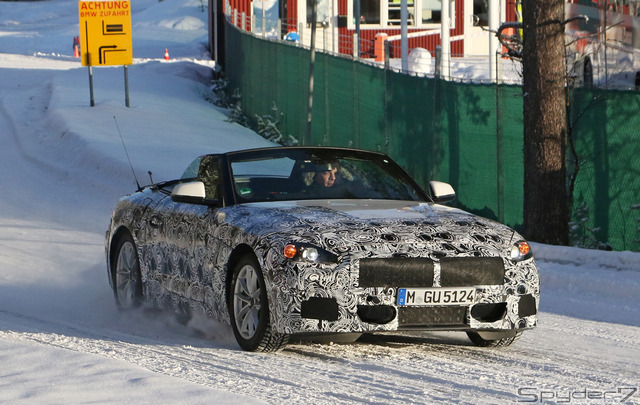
x=546, y=210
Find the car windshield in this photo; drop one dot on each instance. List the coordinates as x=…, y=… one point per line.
x=304, y=174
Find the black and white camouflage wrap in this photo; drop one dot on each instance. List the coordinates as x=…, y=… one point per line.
x=185, y=249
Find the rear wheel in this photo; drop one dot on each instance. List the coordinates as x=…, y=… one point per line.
x=127, y=281
x=249, y=309
x=494, y=339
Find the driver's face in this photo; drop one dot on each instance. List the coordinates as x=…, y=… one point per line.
x=327, y=178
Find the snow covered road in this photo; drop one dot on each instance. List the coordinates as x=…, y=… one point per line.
x=62, y=339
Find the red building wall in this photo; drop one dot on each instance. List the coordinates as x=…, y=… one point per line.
x=367, y=36
x=241, y=6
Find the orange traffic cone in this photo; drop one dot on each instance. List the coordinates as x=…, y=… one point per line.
x=76, y=51
x=166, y=54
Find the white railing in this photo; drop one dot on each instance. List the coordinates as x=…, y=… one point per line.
x=463, y=68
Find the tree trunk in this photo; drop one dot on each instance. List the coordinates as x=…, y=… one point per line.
x=546, y=213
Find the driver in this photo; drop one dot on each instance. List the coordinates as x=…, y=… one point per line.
x=327, y=174
x=321, y=178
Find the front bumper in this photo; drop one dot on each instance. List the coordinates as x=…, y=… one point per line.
x=355, y=296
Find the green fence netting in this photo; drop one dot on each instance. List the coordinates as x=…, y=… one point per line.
x=465, y=134
x=606, y=126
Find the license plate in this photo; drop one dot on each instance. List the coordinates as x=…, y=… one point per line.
x=436, y=296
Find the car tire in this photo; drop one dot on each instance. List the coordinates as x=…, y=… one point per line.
x=249, y=309
x=493, y=339
x=127, y=280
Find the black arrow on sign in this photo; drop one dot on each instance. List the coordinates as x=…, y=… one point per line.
x=107, y=48
x=103, y=49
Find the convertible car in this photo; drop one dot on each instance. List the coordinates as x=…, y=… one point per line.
x=304, y=241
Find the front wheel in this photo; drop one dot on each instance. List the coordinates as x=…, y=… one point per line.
x=494, y=339
x=249, y=309
x=127, y=281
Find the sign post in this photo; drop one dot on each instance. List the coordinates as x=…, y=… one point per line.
x=105, y=37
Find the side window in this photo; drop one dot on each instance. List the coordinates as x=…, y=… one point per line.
x=192, y=170
x=209, y=174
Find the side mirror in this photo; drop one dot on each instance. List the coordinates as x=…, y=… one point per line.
x=192, y=192
x=441, y=192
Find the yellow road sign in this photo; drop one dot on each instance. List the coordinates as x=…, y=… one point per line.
x=105, y=32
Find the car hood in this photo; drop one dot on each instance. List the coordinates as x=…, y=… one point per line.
x=343, y=226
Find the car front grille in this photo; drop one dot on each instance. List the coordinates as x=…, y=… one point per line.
x=396, y=271
x=464, y=271
x=419, y=272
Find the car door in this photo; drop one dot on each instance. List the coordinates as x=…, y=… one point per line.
x=185, y=242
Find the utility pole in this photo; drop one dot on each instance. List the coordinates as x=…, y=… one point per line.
x=404, y=32
x=445, y=40
x=494, y=22
x=314, y=17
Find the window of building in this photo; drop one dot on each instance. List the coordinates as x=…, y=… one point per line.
x=369, y=11
x=481, y=11
x=322, y=11
x=384, y=13
x=394, y=9
x=431, y=11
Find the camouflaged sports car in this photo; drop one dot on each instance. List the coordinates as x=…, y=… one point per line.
x=313, y=241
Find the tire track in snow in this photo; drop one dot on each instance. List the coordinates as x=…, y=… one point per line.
x=258, y=375
x=386, y=370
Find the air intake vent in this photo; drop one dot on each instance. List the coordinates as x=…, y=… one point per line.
x=432, y=316
x=466, y=271
x=396, y=271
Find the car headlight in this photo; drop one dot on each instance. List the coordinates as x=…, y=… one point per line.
x=520, y=251
x=308, y=253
